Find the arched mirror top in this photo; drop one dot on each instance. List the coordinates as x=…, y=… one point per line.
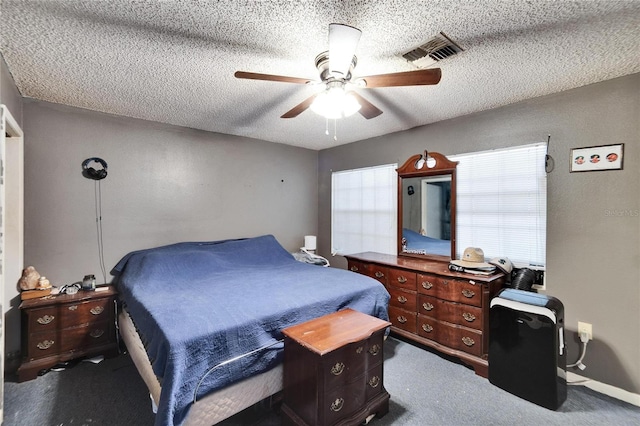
x=427, y=207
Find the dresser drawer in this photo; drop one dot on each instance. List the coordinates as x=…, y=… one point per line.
x=427, y=284
x=402, y=279
x=428, y=327
x=87, y=336
x=402, y=299
x=86, y=312
x=43, y=319
x=453, y=312
x=458, y=290
x=403, y=319
x=462, y=338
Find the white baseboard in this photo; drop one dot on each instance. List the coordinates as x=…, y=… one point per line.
x=612, y=391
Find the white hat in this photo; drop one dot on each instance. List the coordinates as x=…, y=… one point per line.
x=503, y=263
x=473, y=258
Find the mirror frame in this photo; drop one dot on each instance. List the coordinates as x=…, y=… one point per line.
x=442, y=167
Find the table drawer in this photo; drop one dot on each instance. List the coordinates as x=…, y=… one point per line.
x=74, y=314
x=402, y=299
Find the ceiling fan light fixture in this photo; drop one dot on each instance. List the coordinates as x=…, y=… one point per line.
x=343, y=41
x=335, y=103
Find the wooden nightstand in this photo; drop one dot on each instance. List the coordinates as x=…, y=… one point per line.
x=333, y=370
x=64, y=327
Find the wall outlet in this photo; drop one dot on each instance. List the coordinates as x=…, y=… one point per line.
x=585, y=327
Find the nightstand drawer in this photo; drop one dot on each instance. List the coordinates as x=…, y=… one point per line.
x=43, y=319
x=88, y=336
x=75, y=314
x=43, y=344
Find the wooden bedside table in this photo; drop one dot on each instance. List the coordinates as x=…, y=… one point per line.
x=64, y=327
x=333, y=370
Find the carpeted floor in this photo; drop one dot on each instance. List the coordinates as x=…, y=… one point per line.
x=425, y=388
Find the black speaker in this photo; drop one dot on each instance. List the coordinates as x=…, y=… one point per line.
x=92, y=173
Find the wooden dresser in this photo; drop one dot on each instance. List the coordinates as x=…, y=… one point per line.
x=60, y=328
x=431, y=305
x=333, y=370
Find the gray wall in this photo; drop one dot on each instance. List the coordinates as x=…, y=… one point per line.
x=165, y=184
x=593, y=225
x=9, y=94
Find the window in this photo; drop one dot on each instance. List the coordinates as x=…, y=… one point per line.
x=502, y=202
x=363, y=210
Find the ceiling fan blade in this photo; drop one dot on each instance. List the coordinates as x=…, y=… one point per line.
x=408, y=78
x=270, y=77
x=343, y=41
x=367, y=109
x=300, y=108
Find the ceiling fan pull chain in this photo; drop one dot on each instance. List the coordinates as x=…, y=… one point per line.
x=335, y=128
x=326, y=126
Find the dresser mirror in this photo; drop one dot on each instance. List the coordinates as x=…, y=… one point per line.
x=427, y=207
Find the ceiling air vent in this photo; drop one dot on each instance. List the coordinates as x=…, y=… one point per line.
x=438, y=48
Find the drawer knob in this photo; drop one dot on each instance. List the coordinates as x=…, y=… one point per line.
x=73, y=307
x=402, y=319
x=97, y=310
x=337, y=404
x=427, y=285
x=45, y=319
x=354, y=269
x=374, y=381
x=427, y=306
x=374, y=350
x=402, y=299
x=427, y=328
x=379, y=274
x=402, y=279
x=468, y=341
x=337, y=369
x=96, y=333
x=468, y=293
x=45, y=344
x=469, y=317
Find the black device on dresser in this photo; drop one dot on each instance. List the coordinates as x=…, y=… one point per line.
x=526, y=350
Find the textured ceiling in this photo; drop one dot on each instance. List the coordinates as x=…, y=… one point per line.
x=173, y=61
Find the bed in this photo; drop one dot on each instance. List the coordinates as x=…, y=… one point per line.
x=418, y=243
x=203, y=320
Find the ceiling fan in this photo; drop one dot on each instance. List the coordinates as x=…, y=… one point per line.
x=338, y=99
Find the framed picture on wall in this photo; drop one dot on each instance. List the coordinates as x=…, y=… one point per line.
x=594, y=158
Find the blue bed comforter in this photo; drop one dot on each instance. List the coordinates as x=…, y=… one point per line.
x=196, y=305
x=419, y=242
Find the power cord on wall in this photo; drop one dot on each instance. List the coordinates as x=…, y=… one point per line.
x=584, y=338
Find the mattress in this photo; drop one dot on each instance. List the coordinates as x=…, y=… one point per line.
x=214, y=407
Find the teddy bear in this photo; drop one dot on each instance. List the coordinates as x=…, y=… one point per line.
x=29, y=279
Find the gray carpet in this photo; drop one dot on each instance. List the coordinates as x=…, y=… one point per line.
x=425, y=388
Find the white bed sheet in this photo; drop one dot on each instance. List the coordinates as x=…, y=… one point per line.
x=214, y=407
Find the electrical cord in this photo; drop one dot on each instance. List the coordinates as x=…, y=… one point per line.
x=98, y=205
x=584, y=338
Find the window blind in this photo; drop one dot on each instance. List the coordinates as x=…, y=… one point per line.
x=501, y=203
x=363, y=210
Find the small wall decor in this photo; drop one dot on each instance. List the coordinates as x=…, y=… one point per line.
x=594, y=158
